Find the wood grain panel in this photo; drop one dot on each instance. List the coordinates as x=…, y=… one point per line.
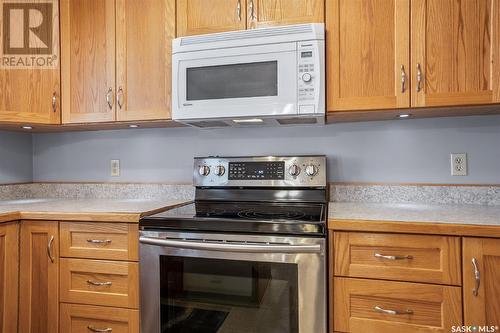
x=483, y=309
x=144, y=30
x=284, y=12
x=456, y=43
x=123, y=278
x=120, y=240
x=365, y=54
x=435, y=308
x=88, y=60
x=38, y=293
x=197, y=17
x=434, y=259
x=9, y=278
x=78, y=318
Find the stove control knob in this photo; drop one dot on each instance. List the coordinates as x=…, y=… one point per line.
x=204, y=170
x=294, y=170
x=311, y=170
x=220, y=170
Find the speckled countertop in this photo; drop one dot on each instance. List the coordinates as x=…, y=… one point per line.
x=406, y=212
x=112, y=210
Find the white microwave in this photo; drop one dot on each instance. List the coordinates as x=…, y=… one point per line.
x=268, y=76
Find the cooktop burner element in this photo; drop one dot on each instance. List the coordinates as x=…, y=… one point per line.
x=256, y=215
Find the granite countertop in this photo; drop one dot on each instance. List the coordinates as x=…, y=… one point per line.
x=110, y=210
x=407, y=212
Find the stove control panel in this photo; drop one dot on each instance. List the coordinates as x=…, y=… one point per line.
x=274, y=171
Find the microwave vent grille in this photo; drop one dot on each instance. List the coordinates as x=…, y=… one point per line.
x=209, y=123
x=297, y=121
x=245, y=34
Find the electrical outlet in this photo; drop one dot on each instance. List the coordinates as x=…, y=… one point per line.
x=459, y=164
x=115, y=168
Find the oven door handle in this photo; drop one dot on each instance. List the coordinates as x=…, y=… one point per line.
x=232, y=246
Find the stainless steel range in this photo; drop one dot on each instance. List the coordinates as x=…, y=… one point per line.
x=248, y=256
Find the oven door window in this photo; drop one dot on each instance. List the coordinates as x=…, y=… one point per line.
x=224, y=296
x=256, y=79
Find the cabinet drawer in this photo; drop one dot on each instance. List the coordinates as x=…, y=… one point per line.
x=83, y=318
x=116, y=241
x=432, y=259
x=365, y=306
x=98, y=282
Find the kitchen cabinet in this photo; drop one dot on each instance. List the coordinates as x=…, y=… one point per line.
x=9, y=268
x=196, y=17
x=454, y=52
x=481, y=270
x=39, y=267
x=367, y=58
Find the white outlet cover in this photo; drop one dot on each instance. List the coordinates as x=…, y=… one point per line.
x=115, y=168
x=458, y=164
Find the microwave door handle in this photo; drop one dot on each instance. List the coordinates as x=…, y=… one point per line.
x=232, y=246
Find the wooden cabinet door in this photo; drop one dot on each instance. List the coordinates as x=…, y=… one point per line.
x=261, y=13
x=88, y=60
x=367, y=50
x=483, y=307
x=196, y=17
x=38, y=292
x=144, y=33
x=455, y=52
x=9, y=267
x=31, y=94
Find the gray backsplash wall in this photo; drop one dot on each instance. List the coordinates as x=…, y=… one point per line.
x=414, y=150
x=16, y=157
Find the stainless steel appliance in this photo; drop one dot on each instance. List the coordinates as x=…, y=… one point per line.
x=248, y=256
x=266, y=76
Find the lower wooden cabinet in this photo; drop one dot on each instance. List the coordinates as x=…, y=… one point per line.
x=39, y=267
x=9, y=267
x=481, y=269
x=77, y=318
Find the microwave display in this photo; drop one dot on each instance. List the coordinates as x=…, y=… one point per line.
x=232, y=81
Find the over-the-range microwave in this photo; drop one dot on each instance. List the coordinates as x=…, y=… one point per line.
x=265, y=76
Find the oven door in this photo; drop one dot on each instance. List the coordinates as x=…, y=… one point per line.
x=212, y=283
x=235, y=82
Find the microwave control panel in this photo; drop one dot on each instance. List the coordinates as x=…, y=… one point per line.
x=310, y=69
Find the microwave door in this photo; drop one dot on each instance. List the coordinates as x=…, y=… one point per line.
x=237, y=85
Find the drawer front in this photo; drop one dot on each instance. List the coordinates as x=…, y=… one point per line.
x=98, y=282
x=366, y=306
x=431, y=259
x=115, y=241
x=87, y=319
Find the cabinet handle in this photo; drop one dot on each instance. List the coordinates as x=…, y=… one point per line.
x=477, y=277
x=99, y=284
x=99, y=241
x=109, y=98
x=403, y=79
x=392, y=312
x=100, y=330
x=381, y=256
x=54, y=102
x=419, y=77
x=253, y=16
x=119, y=97
x=49, y=249
x=238, y=10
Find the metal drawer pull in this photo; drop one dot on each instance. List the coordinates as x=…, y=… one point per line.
x=477, y=277
x=101, y=330
x=49, y=249
x=109, y=98
x=378, y=255
x=253, y=17
x=99, y=284
x=238, y=10
x=419, y=77
x=54, y=102
x=119, y=97
x=392, y=312
x=403, y=79
x=99, y=241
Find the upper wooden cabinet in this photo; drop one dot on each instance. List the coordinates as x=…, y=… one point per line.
x=39, y=267
x=196, y=17
x=481, y=269
x=9, y=279
x=367, y=57
x=455, y=52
